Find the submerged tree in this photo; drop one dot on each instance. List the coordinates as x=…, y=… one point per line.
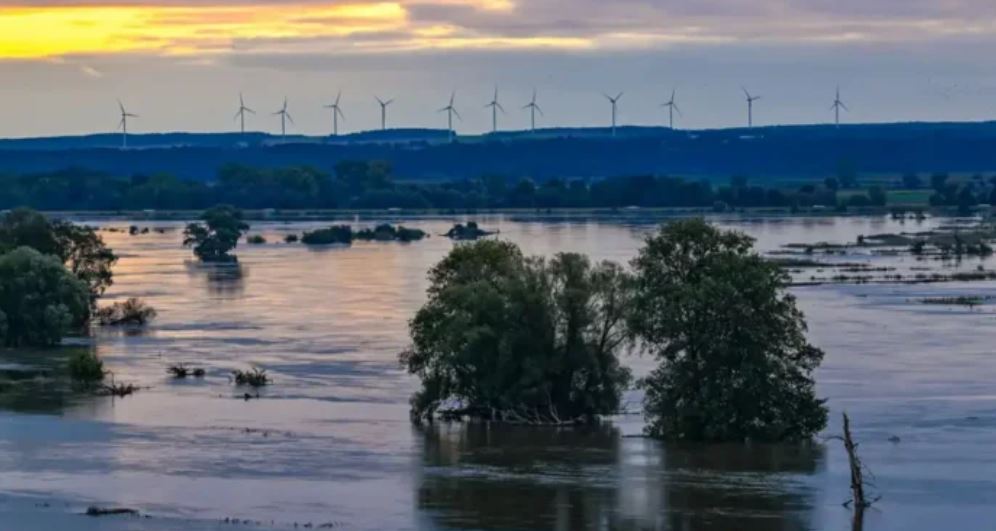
x=80, y=248
x=734, y=360
x=40, y=300
x=219, y=233
x=516, y=339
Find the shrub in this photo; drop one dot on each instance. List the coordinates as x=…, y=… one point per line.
x=254, y=377
x=386, y=232
x=291, y=238
x=507, y=338
x=86, y=367
x=131, y=312
x=329, y=236
x=256, y=239
x=470, y=231
x=734, y=361
x=40, y=300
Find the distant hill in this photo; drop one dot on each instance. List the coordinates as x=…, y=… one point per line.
x=778, y=152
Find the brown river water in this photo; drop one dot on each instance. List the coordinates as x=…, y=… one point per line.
x=330, y=443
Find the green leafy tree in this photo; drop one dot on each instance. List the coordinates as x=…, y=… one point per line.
x=219, y=233
x=80, y=248
x=41, y=299
x=734, y=360
x=509, y=338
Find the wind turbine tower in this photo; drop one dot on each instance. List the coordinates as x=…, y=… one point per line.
x=750, y=107
x=838, y=104
x=495, y=107
x=241, y=114
x=123, y=125
x=451, y=111
x=615, y=105
x=383, y=112
x=336, y=113
x=533, y=109
x=672, y=106
x=284, y=118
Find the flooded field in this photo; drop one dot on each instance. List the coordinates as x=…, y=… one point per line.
x=329, y=443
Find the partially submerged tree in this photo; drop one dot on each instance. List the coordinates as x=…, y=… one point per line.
x=734, y=360
x=40, y=300
x=219, y=233
x=80, y=248
x=508, y=338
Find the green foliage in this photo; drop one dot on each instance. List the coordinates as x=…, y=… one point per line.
x=734, y=360
x=519, y=339
x=219, y=233
x=291, y=238
x=386, y=232
x=331, y=235
x=42, y=301
x=256, y=239
x=130, y=312
x=80, y=248
x=86, y=367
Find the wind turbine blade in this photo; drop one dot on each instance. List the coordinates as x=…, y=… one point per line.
x=237, y=114
x=845, y=107
x=379, y=101
x=457, y=115
x=337, y=98
x=452, y=98
x=121, y=105
x=289, y=119
x=339, y=112
x=678, y=110
x=444, y=109
x=390, y=101
x=607, y=96
x=745, y=92
x=250, y=110
x=502, y=109
x=619, y=96
x=538, y=109
x=673, y=92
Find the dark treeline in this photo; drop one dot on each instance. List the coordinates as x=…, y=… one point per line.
x=364, y=185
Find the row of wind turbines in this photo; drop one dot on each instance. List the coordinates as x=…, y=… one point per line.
x=450, y=109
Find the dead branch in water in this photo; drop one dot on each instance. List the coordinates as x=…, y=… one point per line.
x=859, y=498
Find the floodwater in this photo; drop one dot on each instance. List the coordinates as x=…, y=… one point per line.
x=330, y=443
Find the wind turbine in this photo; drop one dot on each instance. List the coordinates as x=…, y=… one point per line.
x=672, y=106
x=450, y=110
x=533, y=109
x=750, y=107
x=495, y=107
x=336, y=113
x=383, y=111
x=241, y=114
x=284, y=118
x=614, y=102
x=123, y=125
x=837, y=106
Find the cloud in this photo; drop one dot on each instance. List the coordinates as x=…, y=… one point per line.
x=51, y=28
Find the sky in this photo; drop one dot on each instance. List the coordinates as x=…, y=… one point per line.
x=180, y=65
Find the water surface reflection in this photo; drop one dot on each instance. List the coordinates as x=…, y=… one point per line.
x=478, y=476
